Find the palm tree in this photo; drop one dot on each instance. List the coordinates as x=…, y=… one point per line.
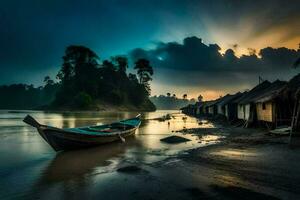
x=184, y=96
x=200, y=98
x=144, y=71
x=168, y=94
x=133, y=78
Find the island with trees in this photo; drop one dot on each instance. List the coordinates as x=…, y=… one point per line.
x=85, y=83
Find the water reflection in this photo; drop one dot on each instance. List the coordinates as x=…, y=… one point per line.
x=24, y=150
x=67, y=166
x=236, y=153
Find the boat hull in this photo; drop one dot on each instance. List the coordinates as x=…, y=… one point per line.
x=61, y=140
x=83, y=137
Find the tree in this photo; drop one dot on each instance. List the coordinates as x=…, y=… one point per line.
x=48, y=80
x=77, y=60
x=108, y=64
x=184, y=96
x=82, y=100
x=296, y=63
x=122, y=64
x=144, y=71
x=168, y=94
x=200, y=98
x=133, y=78
x=79, y=73
x=174, y=95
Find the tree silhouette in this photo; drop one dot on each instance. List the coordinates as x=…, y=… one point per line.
x=122, y=64
x=133, y=78
x=296, y=63
x=108, y=64
x=184, y=96
x=200, y=98
x=77, y=60
x=168, y=94
x=144, y=71
x=85, y=84
x=48, y=80
x=79, y=73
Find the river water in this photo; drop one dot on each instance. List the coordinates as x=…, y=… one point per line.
x=30, y=168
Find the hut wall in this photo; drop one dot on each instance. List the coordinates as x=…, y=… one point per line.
x=243, y=111
x=240, y=111
x=206, y=110
x=226, y=112
x=265, y=112
x=220, y=110
x=197, y=110
x=211, y=110
x=247, y=111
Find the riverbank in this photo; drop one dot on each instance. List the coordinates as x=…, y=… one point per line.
x=219, y=161
x=246, y=164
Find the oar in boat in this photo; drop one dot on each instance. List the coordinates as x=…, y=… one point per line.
x=81, y=137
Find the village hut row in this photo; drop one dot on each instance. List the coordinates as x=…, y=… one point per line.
x=270, y=103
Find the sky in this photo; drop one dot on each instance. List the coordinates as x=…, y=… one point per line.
x=195, y=46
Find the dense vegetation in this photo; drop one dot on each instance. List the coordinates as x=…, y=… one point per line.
x=23, y=96
x=85, y=83
x=171, y=102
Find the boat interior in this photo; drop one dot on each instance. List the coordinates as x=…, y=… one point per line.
x=108, y=128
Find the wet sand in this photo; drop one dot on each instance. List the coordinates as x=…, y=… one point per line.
x=246, y=164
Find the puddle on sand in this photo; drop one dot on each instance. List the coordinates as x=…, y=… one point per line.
x=236, y=153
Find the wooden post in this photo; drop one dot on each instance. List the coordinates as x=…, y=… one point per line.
x=295, y=115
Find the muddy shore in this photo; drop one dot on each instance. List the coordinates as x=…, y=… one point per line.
x=246, y=164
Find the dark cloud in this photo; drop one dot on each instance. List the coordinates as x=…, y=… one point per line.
x=195, y=63
x=34, y=34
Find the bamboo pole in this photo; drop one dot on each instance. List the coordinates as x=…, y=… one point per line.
x=295, y=115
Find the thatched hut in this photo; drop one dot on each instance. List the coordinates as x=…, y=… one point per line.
x=228, y=107
x=269, y=108
x=245, y=104
x=219, y=105
x=189, y=109
x=210, y=108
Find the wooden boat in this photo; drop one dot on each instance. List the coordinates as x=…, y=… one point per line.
x=82, y=137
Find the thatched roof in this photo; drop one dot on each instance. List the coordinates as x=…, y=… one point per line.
x=292, y=87
x=229, y=98
x=294, y=83
x=256, y=91
x=208, y=103
x=272, y=92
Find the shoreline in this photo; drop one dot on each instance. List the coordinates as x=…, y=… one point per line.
x=247, y=164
